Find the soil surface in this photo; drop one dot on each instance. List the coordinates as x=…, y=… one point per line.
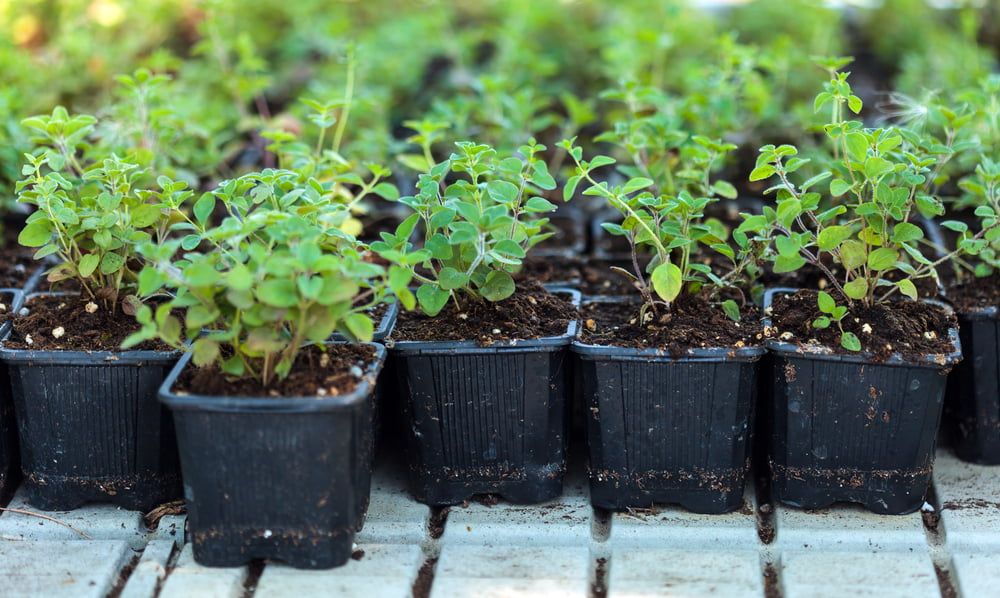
x=548, y=269
x=692, y=323
x=592, y=276
x=64, y=324
x=975, y=293
x=911, y=328
x=336, y=371
x=16, y=267
x=531, y=313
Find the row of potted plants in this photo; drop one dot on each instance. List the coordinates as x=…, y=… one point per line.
x=249, y=310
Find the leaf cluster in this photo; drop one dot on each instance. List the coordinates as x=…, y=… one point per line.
x=481, y=211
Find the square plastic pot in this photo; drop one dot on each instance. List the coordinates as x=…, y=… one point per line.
x=90, y=427
x=486, y=420
x=279, y=478
x=663, y=429
x=9, y=461
x=848, y=429
x=972, y=406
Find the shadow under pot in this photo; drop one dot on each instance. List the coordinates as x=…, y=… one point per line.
x=486, y=419
x=848, y=428
x=275, y=477
x=664, y=429
x=972, y=406
x=90, y=427
x=9, y=461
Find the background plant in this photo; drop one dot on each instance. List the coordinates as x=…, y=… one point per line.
x=91, y=215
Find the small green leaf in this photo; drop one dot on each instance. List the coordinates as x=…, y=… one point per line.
x=667, y=281
x=882, y=258
x=111, y=263
x=360, y=326
x=907, y=288
x=821, y=322
x=855, y=104
x=853, y=254
x=498, y=286
x=905, y=232
x=35, y=234
x=832, y=236
x=839, y=187
x=762, y=172
x=825, y=302
x=88, y=264
x=731, y=309
x=785, y=264
x=636, y=184
x=432, y=299
x=145, y=215
x=203, y=207
x=449, y=278
x=850, y=342
x=857, y=288
x=280, y=292
x=204, y=352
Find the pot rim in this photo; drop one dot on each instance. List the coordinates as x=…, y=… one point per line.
x=269, y=404
x=616, y=353
x=73, y=357
x=472, y=347
x=935, y=360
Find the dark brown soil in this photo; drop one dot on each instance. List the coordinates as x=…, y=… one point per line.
x=597, y=278
x=549, y=269
x=425, y=577
x=911, y=328
x=338, y=373
x=599, y=588
x=945, y=584
x=772, y=587
x=16, y=265
x=531, y=313
x=437, y=521
x=81, y=331
x=975, y=293
x=692, y=323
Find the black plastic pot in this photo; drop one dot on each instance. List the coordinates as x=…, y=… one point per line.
x=9, y=462
x=280, y=478
x=972, y=406
x=486, y=420
x=665, y=429
x=91, y=429
x=847, y=428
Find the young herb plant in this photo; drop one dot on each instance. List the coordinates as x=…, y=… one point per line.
x=481, y=212
x=273, y=278
x=877, y=180
x=92, y=216
x=671, y=227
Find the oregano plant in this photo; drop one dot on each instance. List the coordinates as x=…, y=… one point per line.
x=671, y=229
x=481, y=211
x=853, y=219
x=91, y=216
x=268, y=280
